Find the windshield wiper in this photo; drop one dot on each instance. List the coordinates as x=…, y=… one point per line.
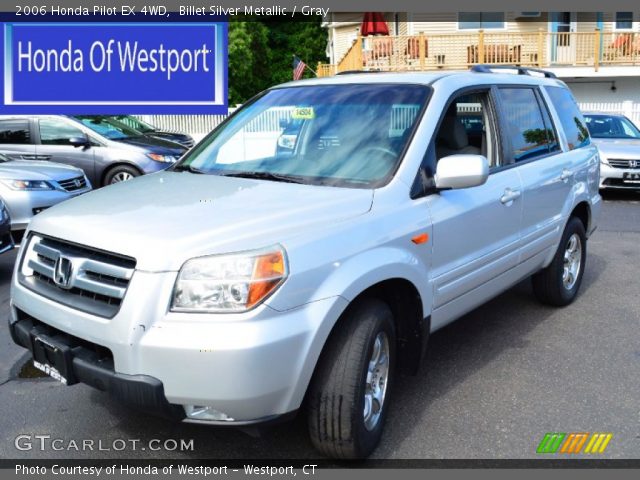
x=276, y=177
x=188, y=168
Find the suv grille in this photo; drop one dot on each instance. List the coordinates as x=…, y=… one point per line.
x=79, y=277
x=73, y=184
x=619, y=163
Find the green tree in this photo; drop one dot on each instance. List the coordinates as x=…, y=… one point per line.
x=261, y=53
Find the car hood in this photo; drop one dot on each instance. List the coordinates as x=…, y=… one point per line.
x=180, y=138
x=154, y=145
x=37, y=170
x=620, y=147
x=163, y=219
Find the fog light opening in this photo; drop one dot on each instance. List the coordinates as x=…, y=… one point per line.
x=207, y=413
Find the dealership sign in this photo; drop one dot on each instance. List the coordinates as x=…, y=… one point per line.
x=114, y=68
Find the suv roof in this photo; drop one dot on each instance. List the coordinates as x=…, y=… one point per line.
x=478, y=76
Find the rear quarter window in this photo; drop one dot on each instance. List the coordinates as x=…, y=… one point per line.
x=572, y=121
x=14, y=132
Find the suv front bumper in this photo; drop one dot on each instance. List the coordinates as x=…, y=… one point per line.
x=250, y=367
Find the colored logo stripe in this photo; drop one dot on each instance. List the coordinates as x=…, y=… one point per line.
x=551, y=442
x=598, y=443
x=572, y=443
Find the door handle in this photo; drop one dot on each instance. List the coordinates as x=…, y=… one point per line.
x=36, y=157
x=566, y=175
x=509, y=196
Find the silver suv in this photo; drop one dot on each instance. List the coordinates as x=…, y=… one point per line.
x=306, y=248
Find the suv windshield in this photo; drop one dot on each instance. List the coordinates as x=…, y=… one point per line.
x=611, y=126
x=340, y=135
x=108, y=126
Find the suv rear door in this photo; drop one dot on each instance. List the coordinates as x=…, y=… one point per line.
x=546, y=171
x=54, y=134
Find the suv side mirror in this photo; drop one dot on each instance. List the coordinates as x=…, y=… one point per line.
x=461, y=171
x=79, y=141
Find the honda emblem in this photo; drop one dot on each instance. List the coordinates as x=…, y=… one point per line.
x=62, y=272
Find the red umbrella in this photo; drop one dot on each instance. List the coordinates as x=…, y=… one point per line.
x=373, y=24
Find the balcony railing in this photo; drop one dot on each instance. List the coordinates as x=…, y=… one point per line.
x=462, y=50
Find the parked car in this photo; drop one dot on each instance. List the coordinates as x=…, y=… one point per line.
x=230, y=287
x=619, y=142
x=27, y=188
x=105, y=153
x=148, y=129
x=6, y=240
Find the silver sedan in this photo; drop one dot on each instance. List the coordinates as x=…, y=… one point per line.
x=618, y=140
x=28, y=187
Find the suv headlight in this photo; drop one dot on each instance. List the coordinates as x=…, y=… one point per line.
x=229, y=283
x=27, y=184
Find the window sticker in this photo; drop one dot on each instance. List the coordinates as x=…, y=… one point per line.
x=303, y=113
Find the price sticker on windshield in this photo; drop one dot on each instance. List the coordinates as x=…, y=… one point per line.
x=303, y=113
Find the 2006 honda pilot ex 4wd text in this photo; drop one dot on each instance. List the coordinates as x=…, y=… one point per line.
x=302, y=253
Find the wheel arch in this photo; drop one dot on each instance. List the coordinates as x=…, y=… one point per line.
x=583, y=212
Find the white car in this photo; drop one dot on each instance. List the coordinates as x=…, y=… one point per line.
x=29, y=187
x=619, y=142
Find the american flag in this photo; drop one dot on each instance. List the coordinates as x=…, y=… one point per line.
x=298, y=68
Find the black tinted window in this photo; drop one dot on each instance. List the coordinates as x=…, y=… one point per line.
x=14, y=131
x=530, y=136
x=58, y=132
x=570, y=117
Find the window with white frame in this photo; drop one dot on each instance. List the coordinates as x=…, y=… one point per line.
x=480, y=20
x=624, y=20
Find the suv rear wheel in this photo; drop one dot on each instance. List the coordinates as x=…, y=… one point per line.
x=558, y=284
x=350, y=391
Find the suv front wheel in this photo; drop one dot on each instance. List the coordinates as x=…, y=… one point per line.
x=350, y=391
x=558, y=284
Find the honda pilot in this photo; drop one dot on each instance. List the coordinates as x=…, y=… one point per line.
x=259, y=277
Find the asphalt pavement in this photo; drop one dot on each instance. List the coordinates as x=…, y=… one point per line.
x=493, y=383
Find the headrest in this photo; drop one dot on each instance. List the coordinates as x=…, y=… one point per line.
x=453, y=134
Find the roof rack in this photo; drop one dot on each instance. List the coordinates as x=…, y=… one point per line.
x=521, y=70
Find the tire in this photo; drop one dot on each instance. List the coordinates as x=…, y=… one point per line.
x=336, y=408
x=555, y=286
x=119, y=174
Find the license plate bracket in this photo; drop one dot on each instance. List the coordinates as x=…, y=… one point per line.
x=53, y=358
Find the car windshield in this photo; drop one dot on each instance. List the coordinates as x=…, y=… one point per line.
x=611, y=126
x=108, y=126
x=339, y=135
x=133, y=122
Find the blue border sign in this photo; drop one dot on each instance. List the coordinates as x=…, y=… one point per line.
x=114, y=68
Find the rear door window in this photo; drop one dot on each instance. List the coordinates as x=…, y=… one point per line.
x=529, y=134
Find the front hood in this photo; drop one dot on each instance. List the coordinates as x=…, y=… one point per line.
x=180, y=138
x=37, y=170
x=163, y=219
x=154, y=145
x=618, y=148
